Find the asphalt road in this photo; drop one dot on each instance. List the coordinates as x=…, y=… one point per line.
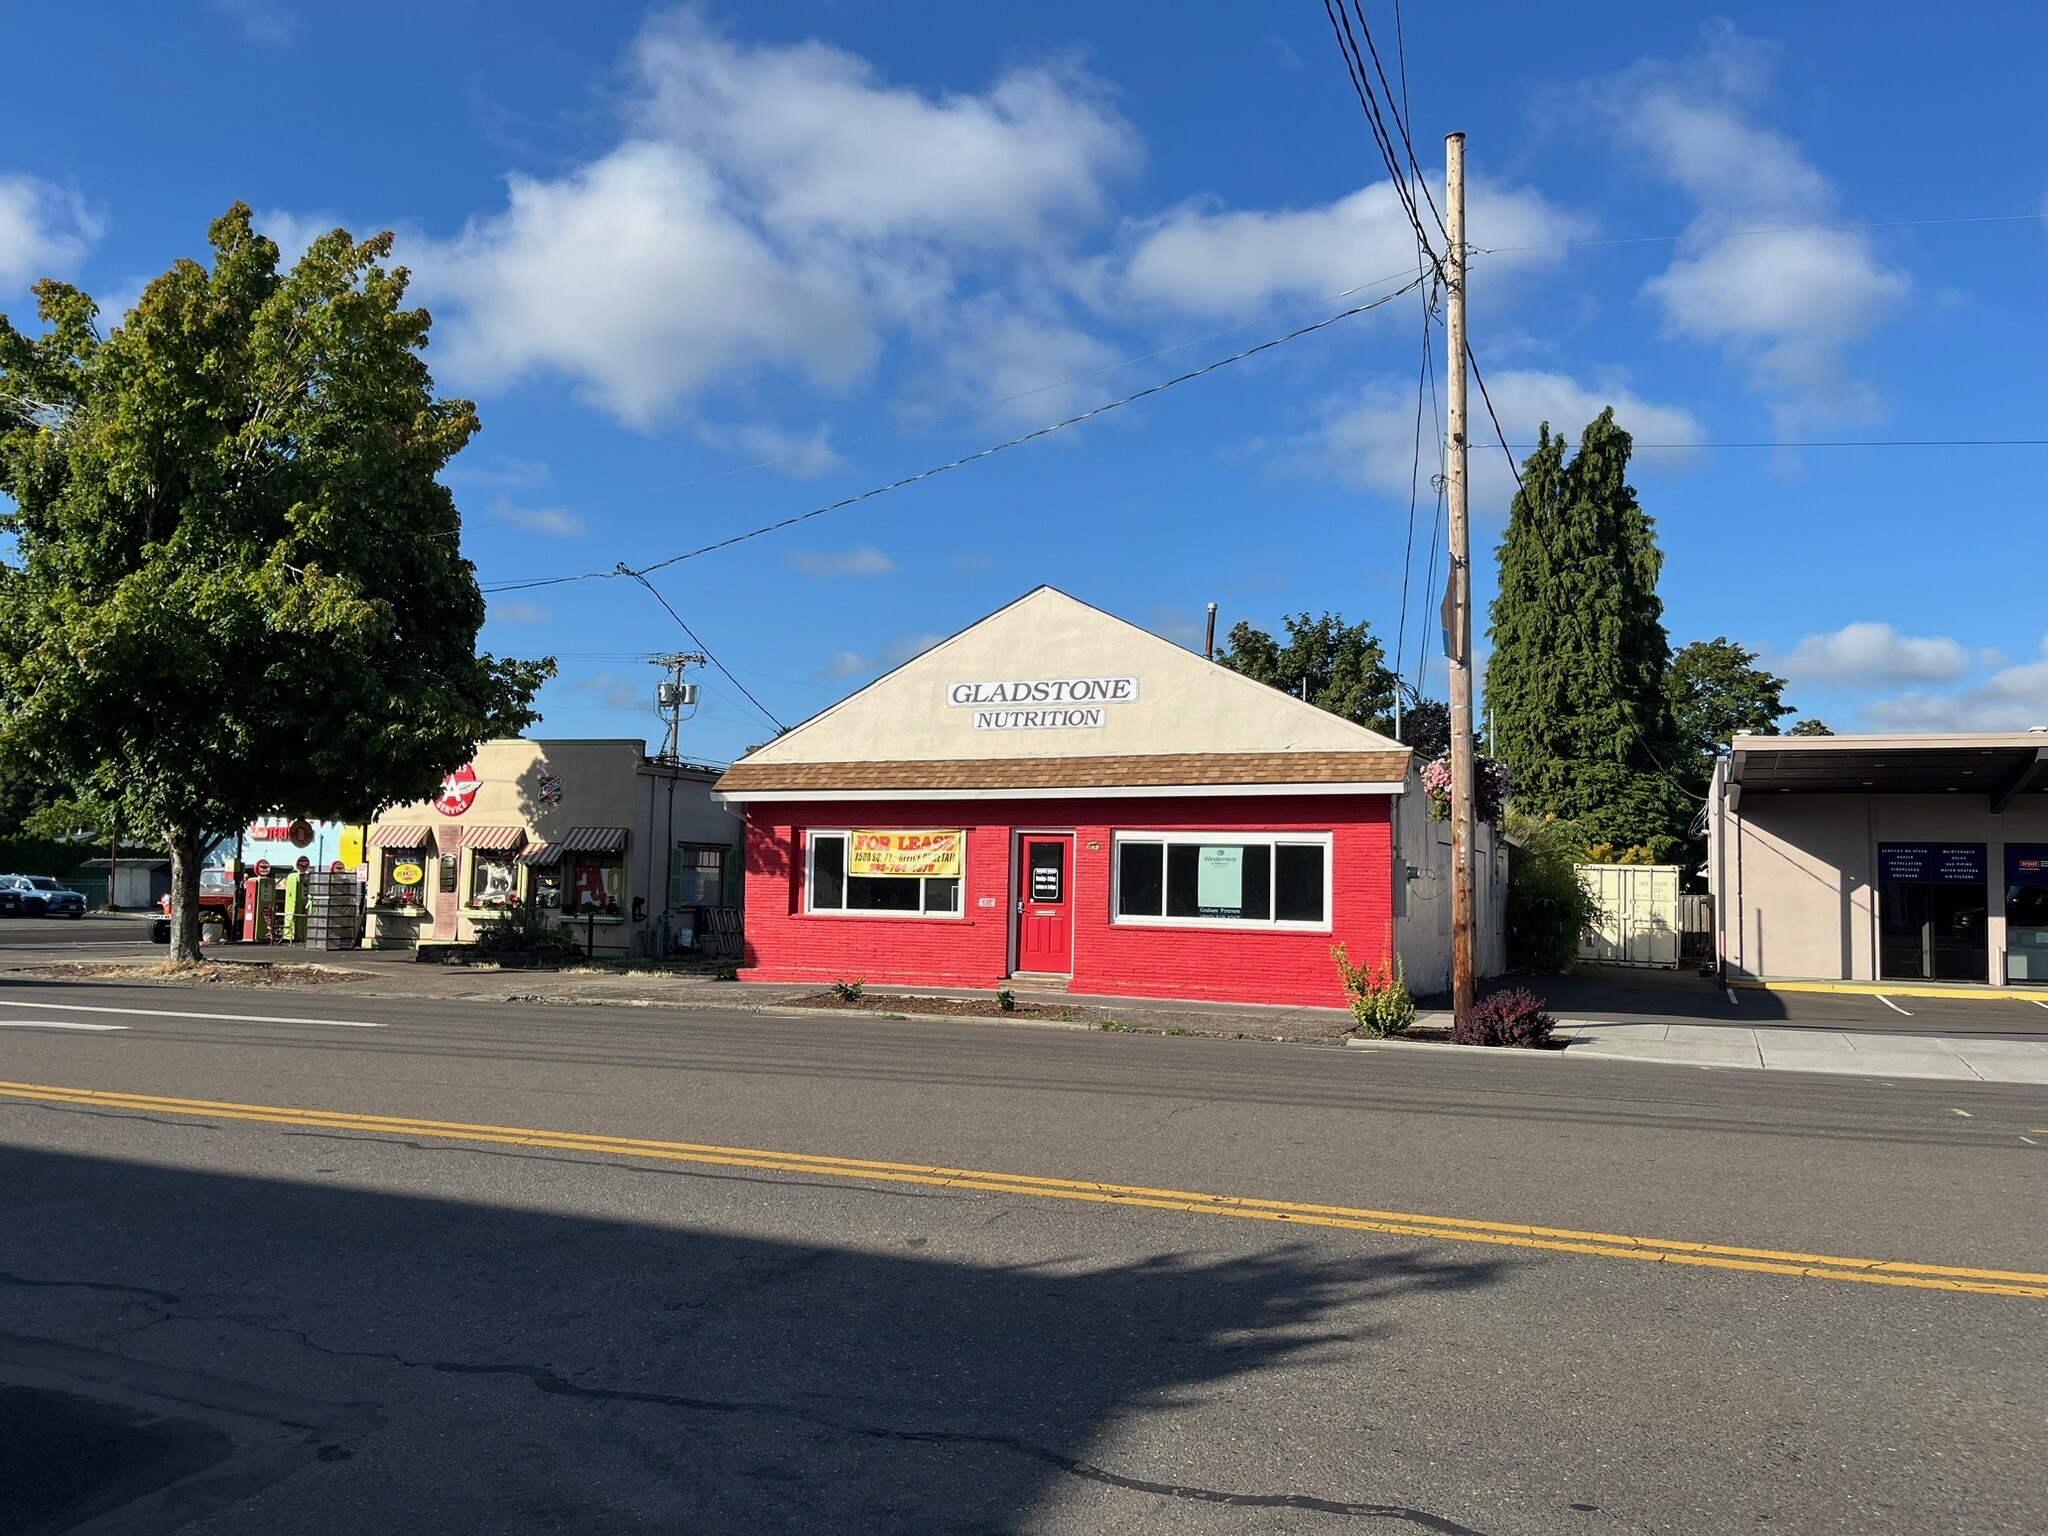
x=98, y=934
x=443, y=1326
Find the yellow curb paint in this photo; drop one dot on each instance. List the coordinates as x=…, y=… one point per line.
x=1995, y=1282
x=1883, y=989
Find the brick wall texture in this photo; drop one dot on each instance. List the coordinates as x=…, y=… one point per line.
x=784, y=943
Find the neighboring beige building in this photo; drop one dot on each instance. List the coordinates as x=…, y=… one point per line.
x=1882, y=858
x=630, y=851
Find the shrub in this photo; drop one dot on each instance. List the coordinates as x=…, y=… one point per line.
x=521, y=929
x=1006, y=1001
x=849, y=991
x=1379, y=999
x=1550, y=910
x=1514, y=1017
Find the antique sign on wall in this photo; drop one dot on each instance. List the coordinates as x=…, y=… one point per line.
x=905, y=853
x=1037, y=704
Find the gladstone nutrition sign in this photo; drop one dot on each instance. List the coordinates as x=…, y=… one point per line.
x=1039, y=704
x=905, y=853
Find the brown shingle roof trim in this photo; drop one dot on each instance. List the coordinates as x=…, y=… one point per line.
x=1162, y=769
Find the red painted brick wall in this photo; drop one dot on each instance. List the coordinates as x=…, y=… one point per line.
x=784, y=943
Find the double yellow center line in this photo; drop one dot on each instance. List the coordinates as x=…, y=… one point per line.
x=1606, y=1245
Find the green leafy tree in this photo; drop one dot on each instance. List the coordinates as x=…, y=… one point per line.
x=1717, y=693
x=1335, y=666
x=1575, y=683
x=236, y=586
x=1426, y=728
x=1809, y=728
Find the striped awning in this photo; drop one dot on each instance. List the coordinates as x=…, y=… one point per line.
x=542, y=856
x=493, y=838
x=391, y=835
x=595, y=840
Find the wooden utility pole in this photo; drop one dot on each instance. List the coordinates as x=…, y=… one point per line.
x=1458, y=602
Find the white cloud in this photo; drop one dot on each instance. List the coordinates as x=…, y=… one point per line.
x=1224, y=263
x=44, y=232
x=1021, y=368
x=1368, y=439
x=801, y=456
x=2012, y=699
x=862, y=560
x=613, y=691
x=1787, y=305
x=773, y=210
x=558, y=522
x=511, y=473
x=519, y=613
x=891, y=655
x=294, y=232
x=263, y=22
x=825, y=148
x=1874, y=656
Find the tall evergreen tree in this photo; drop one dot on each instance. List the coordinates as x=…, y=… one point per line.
x=1576, y=682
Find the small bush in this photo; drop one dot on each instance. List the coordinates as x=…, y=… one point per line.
x=521, y=930
x=1379, y=999
x=1006, y=1000
x=1549, y=909
x=1514, y=1017
x=849, y=991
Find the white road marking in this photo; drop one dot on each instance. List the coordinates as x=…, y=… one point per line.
x=1733, y=1002
x=1964, y=1113
x=1895, y=1008
x=54, y=1024
x=173, y=1013
x=2037, y=1002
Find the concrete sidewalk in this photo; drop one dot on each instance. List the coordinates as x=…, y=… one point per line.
x=1850, y=1052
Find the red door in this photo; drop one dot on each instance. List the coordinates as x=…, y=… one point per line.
x=1045, y=927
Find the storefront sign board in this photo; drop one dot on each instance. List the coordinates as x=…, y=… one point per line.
x=1219, y=882
x=1931, y=863
x=2026, y=863
x=1042, y=703
x=905, y=853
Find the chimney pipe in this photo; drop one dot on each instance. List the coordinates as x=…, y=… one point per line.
x=1209, y=643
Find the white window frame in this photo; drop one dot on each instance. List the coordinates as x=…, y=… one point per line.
x=1323, y=840
x=811, y=836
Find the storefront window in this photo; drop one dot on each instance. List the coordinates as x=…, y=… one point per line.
x=597, y=886
x=834, y=889
x=1207, y=879
x=1933, y=907
x=696, y=877
x=494, y=881
x=547, y=886
x=404, y=882
x=2026, y=912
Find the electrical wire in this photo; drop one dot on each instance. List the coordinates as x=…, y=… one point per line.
x=766, y=713
x=1037, y=389
x=1414, y=165
x=1354, y=67
x=1493, y=416
x=1414, y=487
x=939, y=469
x=1781, y=229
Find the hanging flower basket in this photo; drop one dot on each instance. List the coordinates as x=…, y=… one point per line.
x=1490, y=788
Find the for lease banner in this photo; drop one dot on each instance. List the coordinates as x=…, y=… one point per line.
x=905, y=853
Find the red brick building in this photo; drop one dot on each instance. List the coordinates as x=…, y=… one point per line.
x=1054, y=795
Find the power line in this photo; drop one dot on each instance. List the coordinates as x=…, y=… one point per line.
x=1037, y=389
x=939, y=469
x=1401, y=126
x=1480, y=379
x=1866, y=442
x=766, y=713
x=1354, y=67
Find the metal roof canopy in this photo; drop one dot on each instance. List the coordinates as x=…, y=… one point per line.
x=2001, y=766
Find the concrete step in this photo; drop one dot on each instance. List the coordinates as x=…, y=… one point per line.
x=1040, y=981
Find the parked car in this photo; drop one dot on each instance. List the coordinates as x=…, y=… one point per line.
x=10, y=898
x=42, y=896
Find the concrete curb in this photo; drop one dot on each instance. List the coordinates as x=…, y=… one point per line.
x=1445, y=1045
x=791, y=1011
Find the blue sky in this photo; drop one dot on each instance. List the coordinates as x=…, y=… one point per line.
x=705, y=268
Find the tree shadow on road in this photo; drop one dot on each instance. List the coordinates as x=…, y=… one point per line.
x=539, y=1369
